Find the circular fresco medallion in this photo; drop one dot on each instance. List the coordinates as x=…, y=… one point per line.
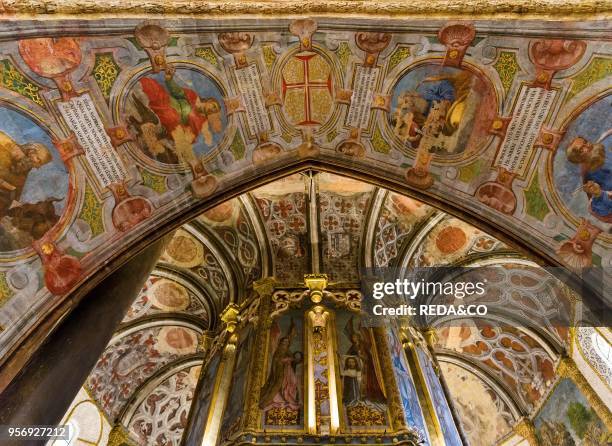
x=51, y=57
x=445, y=110
x=179, y=340
x=582, y=165
x=184, y=250
x=177, y=116
x=451, y=239
x=169, y=296
x=222, y=214
x=33, y=181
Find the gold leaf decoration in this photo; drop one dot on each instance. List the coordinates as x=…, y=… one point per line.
x=361, y=414
x=91, y=213
x=5, y=291
x=237, y=147
x=119, y=436
x=286, y=137
x=379, y=143
x=331, y=135
x=470, y=171
x=398, y=55
x=269, y=56
x=281, y=416
x=344, y=53
x=12, y=79
x=506, y=66
x=153, y=181
x=105, y=72
x=598, y=69
x=208, y=55
x=534, y=198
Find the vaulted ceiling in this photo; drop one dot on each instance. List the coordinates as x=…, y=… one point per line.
x=482, y=119
x=316, y=221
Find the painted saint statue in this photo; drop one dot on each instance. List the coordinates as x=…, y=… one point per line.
x=361, y=349
x=351, y=380
x=281, y=389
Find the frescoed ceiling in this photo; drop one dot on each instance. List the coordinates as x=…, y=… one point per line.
x=317, y=221
x=475, y=140
x=117, y=131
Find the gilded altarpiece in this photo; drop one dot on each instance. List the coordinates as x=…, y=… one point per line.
x=363, y=391
x=317, y=372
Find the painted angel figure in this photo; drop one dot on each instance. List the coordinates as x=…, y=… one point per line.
x=596, y=170
x=281, y=387
x=361, y=347
x=153, y=137
x=183, y=116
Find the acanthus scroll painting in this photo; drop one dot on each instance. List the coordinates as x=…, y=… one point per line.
x=106, y=136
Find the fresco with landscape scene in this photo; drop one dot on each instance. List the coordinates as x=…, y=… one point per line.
x=568, y=419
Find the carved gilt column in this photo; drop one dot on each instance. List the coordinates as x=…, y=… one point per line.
x=207, y=407
x=429, y=411
x=264, y=288
x=526, y=429
x=567, y=368
x=224, y=375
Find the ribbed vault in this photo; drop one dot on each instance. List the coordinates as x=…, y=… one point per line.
x=320, y=222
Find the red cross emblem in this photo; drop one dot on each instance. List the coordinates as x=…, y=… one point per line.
x=307, y=89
